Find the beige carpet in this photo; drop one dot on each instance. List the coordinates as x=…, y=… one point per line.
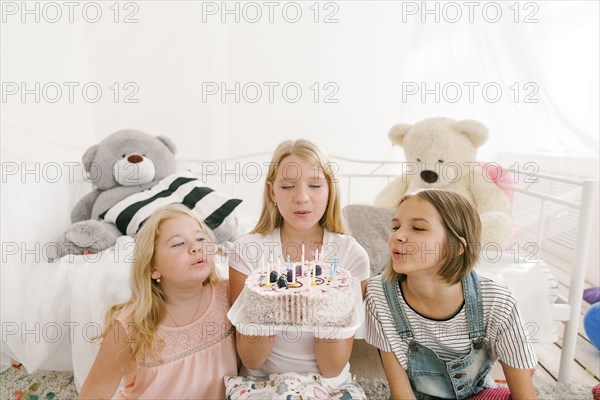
x=48, y=385
x=43, y=384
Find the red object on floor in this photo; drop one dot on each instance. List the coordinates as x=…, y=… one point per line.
x=492, y=394
x=596, y=392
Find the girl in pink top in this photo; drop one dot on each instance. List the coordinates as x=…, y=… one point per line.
x=172, y=339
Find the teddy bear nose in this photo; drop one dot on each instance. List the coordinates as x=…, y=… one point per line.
x=134, y=159
x=429, y=176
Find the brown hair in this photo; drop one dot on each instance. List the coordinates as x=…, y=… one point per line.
x=270, y=218
x=461, y=221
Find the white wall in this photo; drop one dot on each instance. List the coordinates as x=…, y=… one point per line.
x=368, y=55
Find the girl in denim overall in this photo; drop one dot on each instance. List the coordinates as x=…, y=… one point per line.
x=439, y=326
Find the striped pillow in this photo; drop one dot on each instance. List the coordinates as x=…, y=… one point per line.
x=216, y=209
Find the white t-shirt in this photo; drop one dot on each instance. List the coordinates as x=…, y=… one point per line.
x=449, y=339
x=294, y=351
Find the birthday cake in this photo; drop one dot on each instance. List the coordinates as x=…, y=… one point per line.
x=316, y=294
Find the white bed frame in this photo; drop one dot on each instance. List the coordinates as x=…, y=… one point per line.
x=576, y=194
x=543, y=197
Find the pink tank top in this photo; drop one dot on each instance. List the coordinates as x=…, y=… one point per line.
x=195, y=358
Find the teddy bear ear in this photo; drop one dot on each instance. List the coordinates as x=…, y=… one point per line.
x=169, y=143
x=475, y=131
x=88, y=157
x=397, y=133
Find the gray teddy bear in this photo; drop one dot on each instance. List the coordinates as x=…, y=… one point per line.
x=126, y=162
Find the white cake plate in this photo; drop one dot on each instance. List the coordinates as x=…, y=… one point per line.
x=239, y=318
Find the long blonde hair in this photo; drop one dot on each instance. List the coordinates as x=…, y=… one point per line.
x=461, y=221
x=147, y=297
x=270, y=217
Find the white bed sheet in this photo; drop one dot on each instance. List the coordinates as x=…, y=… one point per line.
x=64, y=307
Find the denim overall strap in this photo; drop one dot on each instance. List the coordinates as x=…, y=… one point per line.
x=462, y=377
x=473, y=305
x=391, y=295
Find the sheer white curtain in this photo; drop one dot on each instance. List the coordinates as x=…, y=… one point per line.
x=149, y=73
x=370, y=60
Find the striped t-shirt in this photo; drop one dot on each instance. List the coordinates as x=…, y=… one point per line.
x=449, y=339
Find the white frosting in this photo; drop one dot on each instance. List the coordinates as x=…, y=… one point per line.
x=324, y=300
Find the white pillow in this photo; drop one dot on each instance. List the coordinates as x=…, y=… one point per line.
x=532, y=285
x=214, y=208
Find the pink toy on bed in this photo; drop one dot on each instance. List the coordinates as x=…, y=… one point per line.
x=495, y=174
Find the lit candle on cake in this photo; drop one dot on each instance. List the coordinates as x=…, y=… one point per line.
x=267, y=266
x=272, y=266
x=334, y=270
x=267, y=271
x=302, y=260
x=314, y=268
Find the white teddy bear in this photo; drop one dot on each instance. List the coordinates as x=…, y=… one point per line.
x=441, y=153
